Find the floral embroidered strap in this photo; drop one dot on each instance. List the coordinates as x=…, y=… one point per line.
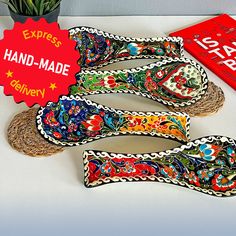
x=207, y=165
x=98, y=48
x=76, y=120
x=175, y=82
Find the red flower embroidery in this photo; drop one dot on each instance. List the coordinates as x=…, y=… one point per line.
x=190, y=90
x=74, y=110
x=72, y=127
x=160, y=74
x=170, y=47
x=50, y=119
x=102, y=113
x=148, y=73
x=222, y=183
x=92, y=133
x=157, y=124
x=180, y=80
x=94, y=123
x=57, y=135
x=108, y=42
x=144, y=170
x=73, y=137
x=134, y=121
x=109, y=82
x=192, y=178
x=149, y=84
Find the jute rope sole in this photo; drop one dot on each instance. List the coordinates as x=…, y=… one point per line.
x=24, y=137
x=209, y=104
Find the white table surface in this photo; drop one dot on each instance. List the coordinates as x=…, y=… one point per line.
x=47, y=196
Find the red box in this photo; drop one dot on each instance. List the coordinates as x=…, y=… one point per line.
x=213, y=43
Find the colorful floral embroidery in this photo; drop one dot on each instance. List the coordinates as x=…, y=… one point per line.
x=209, y=151
x=170, y=47
x=174, y=82
x=72, y=127
x=170, y=172
x=231, y=155
x=149, y=84
x=192, y=178
x=57, y=135
x=77, y=122
x=169, y=125
x=222, y=183
x=94, y=123
x=135, y=49
x=185, y=165
x=205, y=174
x=220, y=162
x=74, y=110
x=106, y=168
x=50, y=119
x=129, y=167
x=100, y=48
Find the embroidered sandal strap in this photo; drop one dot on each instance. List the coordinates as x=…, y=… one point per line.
x=207, y=165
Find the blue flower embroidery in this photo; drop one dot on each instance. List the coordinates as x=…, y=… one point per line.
x=209, y=152
x=205, y=174
x=231, y=155
x=131, y=79
x=134, y=49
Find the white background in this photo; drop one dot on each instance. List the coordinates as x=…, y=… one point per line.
x=141, y=7
x=47, y=197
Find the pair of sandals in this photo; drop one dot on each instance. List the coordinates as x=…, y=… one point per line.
x=207, y=164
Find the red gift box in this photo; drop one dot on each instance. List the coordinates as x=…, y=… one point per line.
x=213, y=42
